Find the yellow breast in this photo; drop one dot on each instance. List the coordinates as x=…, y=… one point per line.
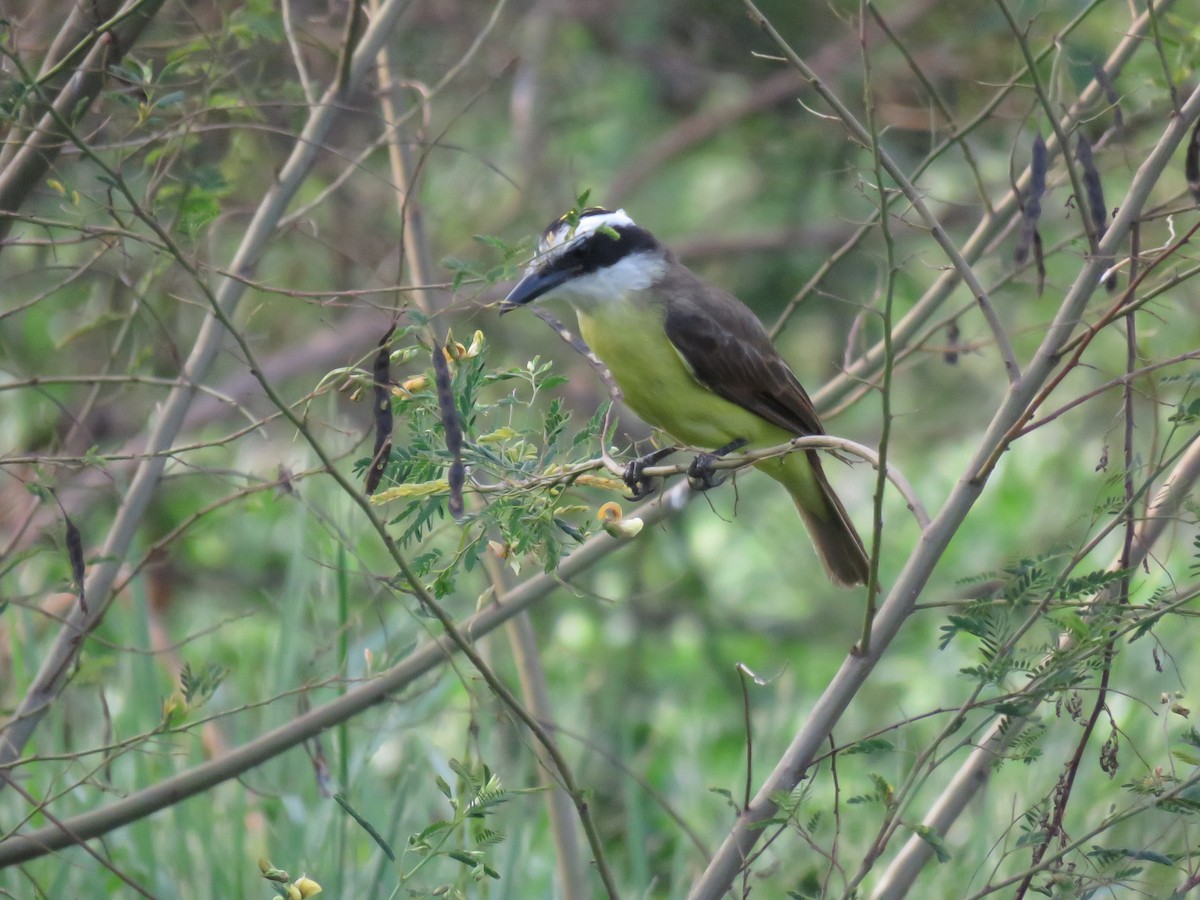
x=628, y=337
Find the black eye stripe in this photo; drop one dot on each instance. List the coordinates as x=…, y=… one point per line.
x=601, y=249
x=592, y=251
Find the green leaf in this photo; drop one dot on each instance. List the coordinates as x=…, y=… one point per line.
x=172, y=99
x=454, y=264
x=1180, y=805
x=463, y=857
x=1183, y=756
x=1031, y=839
x=868, y=745
x=1110, y=854
x=430, y=830
x=366, y=826
x=934, y=840
x=198, y=210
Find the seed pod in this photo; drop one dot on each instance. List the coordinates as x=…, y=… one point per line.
x=1031, y=211
x=1191, y=163
x=1039, y=260
x=1094, y=189
x=381, y=395
x=1092, y=186
x=1110, y=94
x=452, y=427
x=952, y=335
x=75, y=556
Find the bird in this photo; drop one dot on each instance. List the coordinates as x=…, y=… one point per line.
x=690, y=359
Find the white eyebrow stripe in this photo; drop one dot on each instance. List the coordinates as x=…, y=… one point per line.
x=587, y=225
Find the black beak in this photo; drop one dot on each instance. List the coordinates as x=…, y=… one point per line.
x=532, y=286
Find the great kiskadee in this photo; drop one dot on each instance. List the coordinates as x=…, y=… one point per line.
x=690, y=359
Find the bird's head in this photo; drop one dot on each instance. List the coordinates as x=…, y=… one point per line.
x=589, y=258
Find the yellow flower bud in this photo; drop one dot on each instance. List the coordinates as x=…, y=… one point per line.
x=306, y=886
x=625, y=528
x=404, y=355
x=609, y=513
x=476, y=344
x=414, y=384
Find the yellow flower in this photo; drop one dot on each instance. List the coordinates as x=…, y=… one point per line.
x=610, y=513
x=612, y=520
x=306, y=886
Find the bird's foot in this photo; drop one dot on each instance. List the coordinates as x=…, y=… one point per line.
x=641, y=486
x=701, y=474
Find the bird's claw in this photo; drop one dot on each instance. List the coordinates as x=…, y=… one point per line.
x=701, y=475
x=640, y=485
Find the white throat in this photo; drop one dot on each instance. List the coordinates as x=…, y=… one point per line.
x=613, y=283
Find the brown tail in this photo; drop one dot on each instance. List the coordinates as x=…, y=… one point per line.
x=838, y=544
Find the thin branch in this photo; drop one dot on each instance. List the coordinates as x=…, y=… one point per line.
x=24, y=171
x=863, y=136
x=568, y=856
x=943, y=109
x=289, y=31
x=687, y=134
x=889, y=357
x=815, y=442
x=865, y=367
x=65, y=829
x=77, y=30
x=1124, y=305
x=988, y=228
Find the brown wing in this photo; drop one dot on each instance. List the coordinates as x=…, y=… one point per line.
x=730, y=353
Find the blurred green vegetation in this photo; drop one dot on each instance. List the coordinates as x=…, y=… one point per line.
x=258, y=574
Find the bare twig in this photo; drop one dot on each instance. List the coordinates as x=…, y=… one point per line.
x=866, y=365
x=889, y=357
x=863, y=136
x=24, y=171
x=781, y=86
x=289, y=31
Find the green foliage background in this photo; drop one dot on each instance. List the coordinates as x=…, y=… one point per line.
x=256, y=589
